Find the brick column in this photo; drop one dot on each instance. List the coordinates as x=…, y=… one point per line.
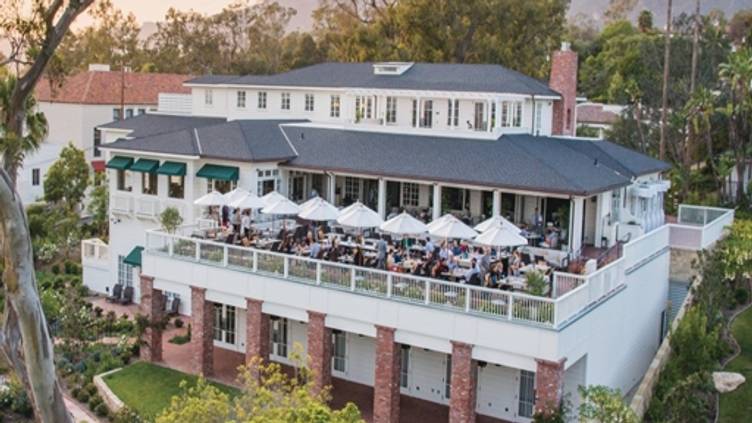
x=464, y=374
x=386, y=391
x=549, y=381
x=319, y=350
x=153, y=306
x=257, y=331
x=202, y=335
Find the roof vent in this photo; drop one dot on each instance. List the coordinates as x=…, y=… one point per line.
x=391, y=68
x=99, y=67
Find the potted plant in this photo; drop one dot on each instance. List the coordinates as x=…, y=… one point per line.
x=170, y=219
x=536, y=283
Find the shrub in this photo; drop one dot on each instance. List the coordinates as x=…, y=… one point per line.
x=94, y=401
x=101, y=410
x=126, y=415
x=741, y=296
x=68, y=267
x=75, y=391
x=83, y=396
x=91, y=388
x=179, y=323
x=55, y=269
x=98, y=311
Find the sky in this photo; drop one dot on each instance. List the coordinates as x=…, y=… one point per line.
x=154, y=10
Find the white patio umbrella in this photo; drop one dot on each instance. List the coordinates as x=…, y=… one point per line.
x=349, y=208
x=438, y=222
x=360, y=216
x=318, y=209
x=404, y=224
x=500, y=236
x=453, y=228
x=496, y=220
x=214, y=198
x=247, y=201
x=281, y=207
x=235, y=194
x=272, y=197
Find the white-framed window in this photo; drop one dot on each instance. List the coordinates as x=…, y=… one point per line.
x=352, y=188
x=538, y=117
x=410, y=194
x=279, y=334
x=453, y=112
x=141, y=111
x=241, y=99
x=261, y=104
x=391, y=110
x=517, y=121
x=339, y=353
x=426, y=120
x=128, y=113
x=334, y=106
x=363, y=107
x=97, y=142
x=448, y=378
x=527, y=393
x=309, y=104
x=285, y=101
x=115, y=114
x=149, y=183
x=268, y=180
x=125, y=272
x=504, y=114
x=479, y=118
x=404, y=366
x=224, y=323
x=415, y=113
x=35, y=177
x=208, y=97
x=221, y=186
x=493, y=114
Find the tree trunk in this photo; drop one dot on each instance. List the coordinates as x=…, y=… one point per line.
x=664, y=101
x=740, y=193
x=26, y=343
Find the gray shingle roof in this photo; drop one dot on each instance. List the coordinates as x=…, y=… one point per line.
x=152, y=124
x=523, y=162
x=245, y=140
x=421, y=76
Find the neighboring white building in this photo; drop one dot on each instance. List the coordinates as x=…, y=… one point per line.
x=84, y=101
x=475, y=140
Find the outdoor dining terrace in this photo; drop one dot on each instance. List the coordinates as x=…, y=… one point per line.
x=569, y=296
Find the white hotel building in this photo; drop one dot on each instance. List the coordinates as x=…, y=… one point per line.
x=472, y=139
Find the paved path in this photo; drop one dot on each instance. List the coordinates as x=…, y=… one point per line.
x=79, y=413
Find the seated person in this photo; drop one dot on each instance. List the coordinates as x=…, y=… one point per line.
x=516, y=262
x=438, y=268
x=494, y=277
x=472, y=275
x=552, y=238
x=315, y=249
x=358, y=258
x=246, y=241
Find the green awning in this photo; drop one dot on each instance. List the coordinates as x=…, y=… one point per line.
x=120, y=163
x=134, y=257
x=172, y=169
x=221, y=173
x=145, y=165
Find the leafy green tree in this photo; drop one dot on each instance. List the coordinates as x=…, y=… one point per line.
x=99, y=204
x=604, y=405
x=170, y=219
x=694, y=343
x=267, y=395
x=736, y=75
x=690, y=399
x=13, y=146
x=645, y=21
x=67, y=179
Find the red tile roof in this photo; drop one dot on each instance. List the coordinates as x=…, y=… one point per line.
x=594, y=113
x=104, y=87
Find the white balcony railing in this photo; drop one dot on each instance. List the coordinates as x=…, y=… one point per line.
x=147, y=206
x=94, y=252
x=699, y=227
x=484, y=302
x=121, y=203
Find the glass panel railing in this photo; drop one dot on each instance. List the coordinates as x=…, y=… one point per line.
x=334, y=275
x=301, y=269
x=184, y=248
x=494, y=303
x=270, y=263
x=408, y=289
x=371, y=282
x=533, y=309
x=447, y=295
x=240, y=258
x=212, y=253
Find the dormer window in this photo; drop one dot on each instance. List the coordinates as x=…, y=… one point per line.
x=391, y=68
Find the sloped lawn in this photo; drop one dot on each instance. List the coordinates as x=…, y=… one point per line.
x=148, y=389
x=737, y=406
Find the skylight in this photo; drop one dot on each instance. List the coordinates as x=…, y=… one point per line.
x=391, y=68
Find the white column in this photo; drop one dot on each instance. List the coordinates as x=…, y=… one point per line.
x=332, y=188
x=575, y=228
x=382, y=198
x=436, y=201
x=496, y=207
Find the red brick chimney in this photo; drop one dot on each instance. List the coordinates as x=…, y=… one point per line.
x=564, y=81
